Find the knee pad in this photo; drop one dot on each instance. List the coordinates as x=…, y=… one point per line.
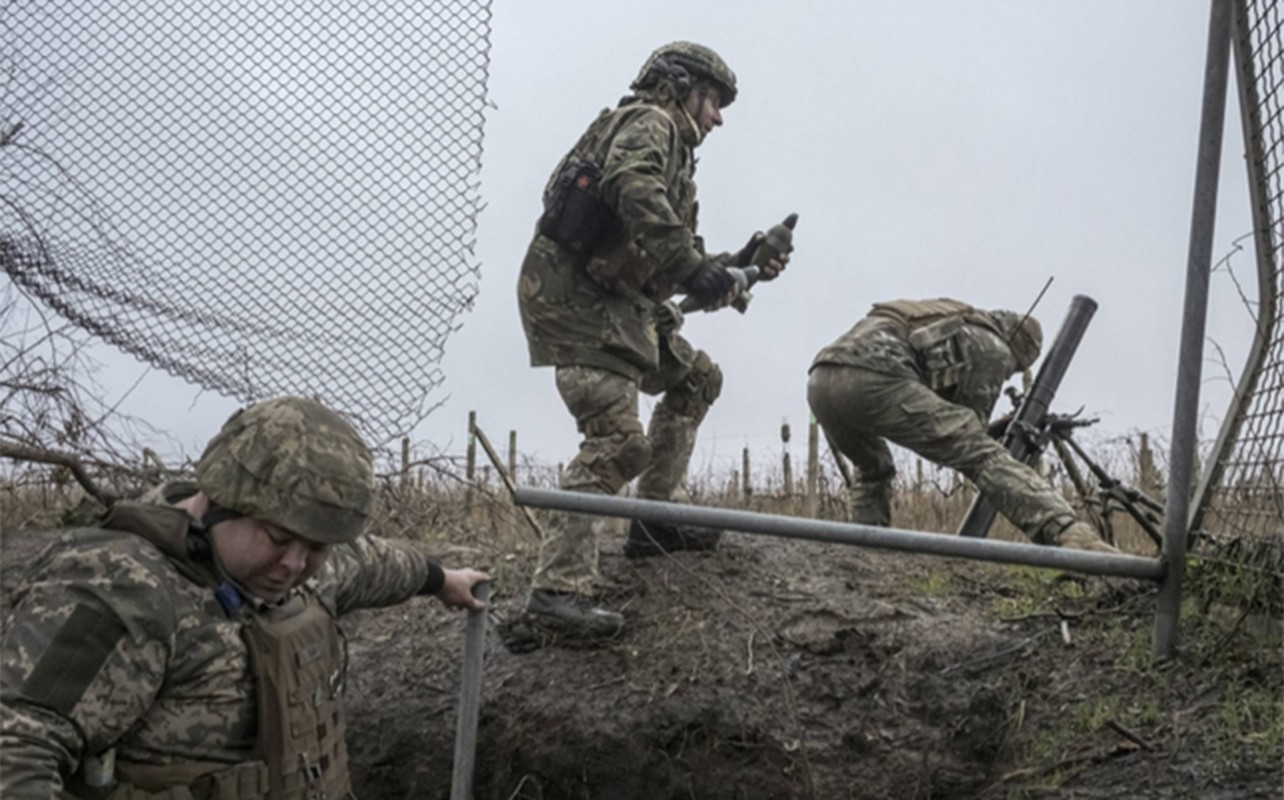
x=697, y=391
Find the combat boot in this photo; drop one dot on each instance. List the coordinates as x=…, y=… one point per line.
x=1081, y=536
x=870, y=502
x=572, y=614
x=653, y=539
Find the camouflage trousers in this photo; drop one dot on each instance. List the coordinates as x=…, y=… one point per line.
x=615, y=449
x=861, y=410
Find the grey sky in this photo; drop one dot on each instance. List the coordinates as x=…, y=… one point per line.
x=962, y=149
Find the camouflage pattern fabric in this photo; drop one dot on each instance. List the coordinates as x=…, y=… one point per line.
x=593, y=317
x=690, y=383
x=111, y=644
x=881, y=343
x=868, y=387
x=292, y=462
x=614, y=450
x=599, y=310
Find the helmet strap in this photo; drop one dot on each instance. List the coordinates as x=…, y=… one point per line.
x=700, y=91
x=216, y=514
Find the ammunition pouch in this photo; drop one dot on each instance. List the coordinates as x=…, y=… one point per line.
x=940, y=352
x=574, y=214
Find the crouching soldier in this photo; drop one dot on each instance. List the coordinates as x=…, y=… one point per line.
x=925, y=374
x=188, y=647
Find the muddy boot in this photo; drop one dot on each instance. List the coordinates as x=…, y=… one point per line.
x=870, y=502
x=1081, y=536
x=572, y=615
x=653, y=539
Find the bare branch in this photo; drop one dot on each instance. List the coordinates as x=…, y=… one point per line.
x=67, y=460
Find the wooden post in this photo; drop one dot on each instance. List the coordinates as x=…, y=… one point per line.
x=405, y=461
x=813, y=468
x=746, y=488
x=1147, y=475
x=512, y=456
x=918, y=477
x=786, y=467
x=470, y=462
x=508, y=483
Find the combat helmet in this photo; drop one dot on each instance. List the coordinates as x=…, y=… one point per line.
x=684, y=63
x=1023, y=334
x=294, y=463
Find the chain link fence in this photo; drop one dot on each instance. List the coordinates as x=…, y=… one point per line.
x=1241, y=493
x=263, y=199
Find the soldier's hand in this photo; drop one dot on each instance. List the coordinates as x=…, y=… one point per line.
x=998, y=428
x=744, y=257
x=457, y=590
x=711, y=285
x=772, y=269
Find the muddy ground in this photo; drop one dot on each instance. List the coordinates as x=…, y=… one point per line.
x=776, y=669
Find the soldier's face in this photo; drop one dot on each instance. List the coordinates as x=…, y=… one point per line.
x=704, y=103
x=266, y=560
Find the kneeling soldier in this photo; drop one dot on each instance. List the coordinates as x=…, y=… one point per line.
x=925, y=374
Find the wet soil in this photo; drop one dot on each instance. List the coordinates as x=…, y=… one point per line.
x=777, y=669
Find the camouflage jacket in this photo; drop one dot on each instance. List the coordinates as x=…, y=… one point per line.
x=112, y=644
x=598, y=309
x=977, y=361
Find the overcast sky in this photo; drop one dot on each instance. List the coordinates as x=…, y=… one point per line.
x=967, y=149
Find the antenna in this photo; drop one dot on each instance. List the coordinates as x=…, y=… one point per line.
x=1030, y=310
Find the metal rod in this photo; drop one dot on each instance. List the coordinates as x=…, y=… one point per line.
x=844, y=533
x=1198, y=265
x=470, y=682
x=1035, y=405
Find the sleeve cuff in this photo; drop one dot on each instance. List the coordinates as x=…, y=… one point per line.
x=685, y=267
x=435, y=580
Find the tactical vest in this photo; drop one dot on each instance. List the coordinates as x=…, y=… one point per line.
x=935, y=330
x=297, y=656
x=613, y=261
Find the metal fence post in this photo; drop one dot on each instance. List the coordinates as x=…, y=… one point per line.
x=1198, y=265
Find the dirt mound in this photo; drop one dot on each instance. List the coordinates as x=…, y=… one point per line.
x=777, y=669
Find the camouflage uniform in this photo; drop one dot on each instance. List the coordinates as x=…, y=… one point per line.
x=134, y=643
x=592, y=316
x=926, y=375
x=114, y=644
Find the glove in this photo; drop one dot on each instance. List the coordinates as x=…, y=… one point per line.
x=744, y=257
x=710, y=284
x=999, y=427
x=668, y=318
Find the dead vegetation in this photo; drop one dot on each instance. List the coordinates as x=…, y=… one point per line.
x=793, y=669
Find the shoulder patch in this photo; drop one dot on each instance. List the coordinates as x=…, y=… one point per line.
x=73, y=659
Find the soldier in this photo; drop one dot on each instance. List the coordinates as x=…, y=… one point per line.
x=188, y=647
x=925, y=374
x=617, y=240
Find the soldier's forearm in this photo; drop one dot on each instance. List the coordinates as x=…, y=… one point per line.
x=31, y=761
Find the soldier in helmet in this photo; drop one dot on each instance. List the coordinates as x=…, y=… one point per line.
x=616, y=241
x=925, y=374
x=187, y=647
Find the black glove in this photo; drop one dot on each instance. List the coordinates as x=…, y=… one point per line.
x=998, y=428
x=710, y=284
x=744, y=257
